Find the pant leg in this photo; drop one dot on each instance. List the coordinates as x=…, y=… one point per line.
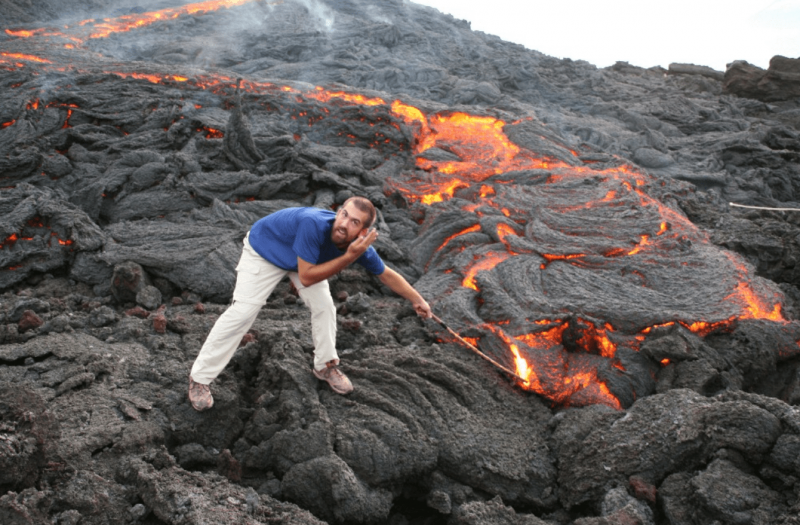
x=256, y=278
x=323, y=319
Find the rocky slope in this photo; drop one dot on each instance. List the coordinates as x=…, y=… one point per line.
x=571, y=218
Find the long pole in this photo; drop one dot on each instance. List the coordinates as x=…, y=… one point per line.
x=475, y=349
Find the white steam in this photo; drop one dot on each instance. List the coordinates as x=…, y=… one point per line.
x=323, y=16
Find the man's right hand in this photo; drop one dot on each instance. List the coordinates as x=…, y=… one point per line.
x=362, y=243
x=311, y=274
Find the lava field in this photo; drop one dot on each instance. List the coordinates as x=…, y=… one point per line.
x=623, y=239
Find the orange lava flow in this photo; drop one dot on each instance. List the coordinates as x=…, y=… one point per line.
x=544, y=339
x=487, y=262
x=4, y=125
x=504, y=230
x=22, y=33
x=471, y=229
x=10, y=240
x=606, y=346
x=211, y=133
x=155, y=79
x=703, y=328
x=447, y=190
x=571, y=382
x=644, y=242
x=128, y=22
x=28, y=58
x=549, y=257
x=755, y=306
x=353, y=98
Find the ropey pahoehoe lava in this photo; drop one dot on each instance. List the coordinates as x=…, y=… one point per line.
x=528, y=233
x=569, y=221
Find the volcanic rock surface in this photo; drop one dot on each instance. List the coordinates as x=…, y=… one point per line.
x=572, y=222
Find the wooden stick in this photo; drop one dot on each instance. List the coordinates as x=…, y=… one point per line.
x=475, y=349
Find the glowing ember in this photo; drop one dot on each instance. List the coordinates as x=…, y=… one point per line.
x=7, y=124
x=10, y=240
x=211, y=133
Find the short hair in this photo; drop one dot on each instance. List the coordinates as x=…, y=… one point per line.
x=363, y=204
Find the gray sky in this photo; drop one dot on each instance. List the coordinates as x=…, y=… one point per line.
x=643, y=33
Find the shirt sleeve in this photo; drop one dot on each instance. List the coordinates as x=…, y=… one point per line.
x=307, y=242
x=371, y=261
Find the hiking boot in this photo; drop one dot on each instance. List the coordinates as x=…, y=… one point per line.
x=200, y=396
x=338, y=381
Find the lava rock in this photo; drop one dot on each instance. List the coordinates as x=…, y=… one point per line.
x=724, y=491
x=137, y=311
x=781, y=81
x=358, y=303
x=102, y=316
x=30, y=435
x=149, y=297
x=492, y=512
x=650, y=158
x=685, y=423
x=32, y=304
x=29, y=321
x=328, y=487
x=160, y=322
x=127, y=281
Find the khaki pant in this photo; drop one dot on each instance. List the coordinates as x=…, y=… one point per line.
x=256, y=278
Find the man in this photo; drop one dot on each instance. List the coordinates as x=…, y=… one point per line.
x=310, y=245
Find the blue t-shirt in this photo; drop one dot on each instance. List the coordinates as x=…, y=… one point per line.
x=285, y=235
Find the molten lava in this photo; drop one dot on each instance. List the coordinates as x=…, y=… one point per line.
x=487, y=262
x=485, y=151
x=13, y=57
